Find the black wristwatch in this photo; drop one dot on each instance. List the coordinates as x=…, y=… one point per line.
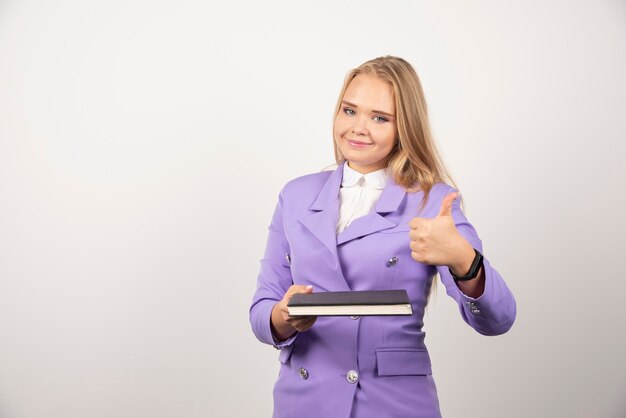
x=473, y=271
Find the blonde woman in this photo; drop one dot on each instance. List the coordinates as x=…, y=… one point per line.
x=385, y=218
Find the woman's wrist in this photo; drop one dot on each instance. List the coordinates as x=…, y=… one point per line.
x=281, y=329
x=463, y=263
x=475, y=287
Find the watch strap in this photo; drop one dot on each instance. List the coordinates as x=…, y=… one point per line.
x=473, y=271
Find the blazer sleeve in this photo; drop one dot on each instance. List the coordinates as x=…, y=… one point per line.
x=273, y=280
x=493, y=312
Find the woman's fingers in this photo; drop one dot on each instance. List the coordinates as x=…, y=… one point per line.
x=436, y=241
x=302, y=323
x=297, y=288
x=293, y=289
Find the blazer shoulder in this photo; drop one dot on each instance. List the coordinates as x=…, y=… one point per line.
x=307, y=182
x=442, y=189
x=435, y=196
x=437, y=189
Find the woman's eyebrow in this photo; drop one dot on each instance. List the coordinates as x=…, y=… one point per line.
x=373, y=111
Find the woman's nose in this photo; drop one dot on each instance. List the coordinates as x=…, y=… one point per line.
x=359, y=127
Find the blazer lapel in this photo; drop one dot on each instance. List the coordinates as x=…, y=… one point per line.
x=323, y=221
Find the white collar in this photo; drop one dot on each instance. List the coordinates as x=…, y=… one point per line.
x=375, y=180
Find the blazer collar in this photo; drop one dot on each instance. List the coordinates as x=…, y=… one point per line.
x=323, y=221
x=329, y=192
x=389, y=200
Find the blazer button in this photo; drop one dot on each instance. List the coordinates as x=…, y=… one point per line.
x=352, y=376
x=472, y=307
x=392, y=261
x=304, y=374
x=354, y=317
x=288, y=258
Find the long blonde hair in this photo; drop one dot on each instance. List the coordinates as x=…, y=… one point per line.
x=414, y=161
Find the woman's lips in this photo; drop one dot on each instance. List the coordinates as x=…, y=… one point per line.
x=357, y=144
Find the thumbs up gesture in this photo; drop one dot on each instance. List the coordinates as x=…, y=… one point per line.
x=436, y=241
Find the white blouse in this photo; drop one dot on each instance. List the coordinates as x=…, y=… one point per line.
x=358, y=194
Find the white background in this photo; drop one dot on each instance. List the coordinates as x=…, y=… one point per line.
x=143, y=145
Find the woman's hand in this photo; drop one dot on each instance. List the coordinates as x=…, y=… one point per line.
x=284, y=325
x=436, y=241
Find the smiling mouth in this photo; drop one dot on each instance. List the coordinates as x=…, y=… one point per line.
x=358, y=142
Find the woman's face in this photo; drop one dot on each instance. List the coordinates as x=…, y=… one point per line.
x=365, y=127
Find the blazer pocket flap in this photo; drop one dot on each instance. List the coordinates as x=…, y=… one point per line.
x=402, y=361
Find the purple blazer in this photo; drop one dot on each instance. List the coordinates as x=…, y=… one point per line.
x=361, y=367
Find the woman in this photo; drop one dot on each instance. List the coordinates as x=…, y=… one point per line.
x=383, y=219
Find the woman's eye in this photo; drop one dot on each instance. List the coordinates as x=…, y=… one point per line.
x=380, y=119
x=348, y=111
